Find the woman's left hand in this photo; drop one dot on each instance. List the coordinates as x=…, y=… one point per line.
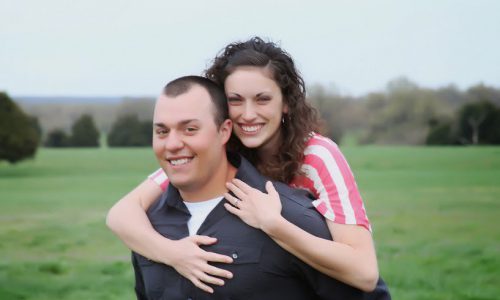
x=257, y=209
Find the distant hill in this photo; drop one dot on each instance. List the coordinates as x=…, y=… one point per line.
x=61, y=112
x=68, y=100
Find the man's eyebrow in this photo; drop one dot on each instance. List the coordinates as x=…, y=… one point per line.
x=182, y=123
x=185, y=122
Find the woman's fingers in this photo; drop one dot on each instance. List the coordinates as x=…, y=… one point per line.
x=203, y=276
x=271, y=190
x=274, y=195
x=194, y=263
x=236, y=190
x=197, y=282
x=203, y=239
x=242, y=186
x=214, y=271
x=233, y=210
x=216, y=257
x=231, y=199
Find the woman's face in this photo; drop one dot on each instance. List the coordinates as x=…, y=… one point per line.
x=256, y=107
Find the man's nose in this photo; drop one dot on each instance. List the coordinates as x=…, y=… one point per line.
x=173, y=142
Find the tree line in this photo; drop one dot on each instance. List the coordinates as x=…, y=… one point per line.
x=407, y=114
x=21, y=134
x=404, y=113
x=126, y=131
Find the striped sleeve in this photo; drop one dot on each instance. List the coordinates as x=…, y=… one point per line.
x=160, y=178
x=329, y=177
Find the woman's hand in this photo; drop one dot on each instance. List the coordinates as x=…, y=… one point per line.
x=192, y=262
x=257, y=209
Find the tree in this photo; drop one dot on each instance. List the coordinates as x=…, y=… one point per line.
x=57, y=138
x=129, y=131
x=19, y=137
x=478, y=123
x=492, y=135
x=84, y=132
x=482, y=92
x=35, y=124
x=440, y=133
x=331, y=108
x=402, y=114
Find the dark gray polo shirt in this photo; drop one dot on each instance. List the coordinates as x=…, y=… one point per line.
x=262, y=269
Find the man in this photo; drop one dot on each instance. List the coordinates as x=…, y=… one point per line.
x=191, y=130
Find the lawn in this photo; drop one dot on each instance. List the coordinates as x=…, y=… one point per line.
x=433, y=211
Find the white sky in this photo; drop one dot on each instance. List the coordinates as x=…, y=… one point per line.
x=132, y=48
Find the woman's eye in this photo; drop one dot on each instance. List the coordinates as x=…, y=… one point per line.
x=191, y=129
x=234, y=100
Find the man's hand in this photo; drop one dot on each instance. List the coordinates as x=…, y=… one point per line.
x=192, y=262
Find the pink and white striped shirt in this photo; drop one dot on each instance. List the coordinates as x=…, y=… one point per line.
x=327, y=177
x=160, y=178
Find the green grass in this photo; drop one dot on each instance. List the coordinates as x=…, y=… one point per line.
x=433, y=210
x=54, y=244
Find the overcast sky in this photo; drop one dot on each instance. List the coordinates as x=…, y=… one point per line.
x=132, y=48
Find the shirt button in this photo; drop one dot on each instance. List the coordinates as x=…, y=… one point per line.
x=235, y=255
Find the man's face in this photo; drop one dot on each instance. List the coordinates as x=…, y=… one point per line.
x=187, y=142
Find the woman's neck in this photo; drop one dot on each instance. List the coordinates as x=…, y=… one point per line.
x=270, y=148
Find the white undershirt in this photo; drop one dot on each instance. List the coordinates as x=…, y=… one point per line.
x=199, y=212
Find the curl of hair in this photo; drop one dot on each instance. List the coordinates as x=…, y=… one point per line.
x=301, y=119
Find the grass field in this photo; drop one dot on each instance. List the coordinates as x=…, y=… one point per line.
x=433, y=210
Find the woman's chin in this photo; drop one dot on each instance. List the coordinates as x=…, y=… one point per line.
x=251, y=142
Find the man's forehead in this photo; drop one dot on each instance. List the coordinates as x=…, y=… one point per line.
x=182, y=108
x=195, y=95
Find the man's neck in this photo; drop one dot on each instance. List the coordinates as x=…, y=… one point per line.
x=215, y=187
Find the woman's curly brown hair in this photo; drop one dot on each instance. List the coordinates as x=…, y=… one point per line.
x=301, y=119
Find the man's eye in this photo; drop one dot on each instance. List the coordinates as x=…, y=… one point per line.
x=161, y=132
x=191, y=129
x=264, y=99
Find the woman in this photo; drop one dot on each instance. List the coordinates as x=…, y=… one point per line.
x=276, y=130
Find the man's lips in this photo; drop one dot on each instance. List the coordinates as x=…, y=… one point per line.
x=179, y=161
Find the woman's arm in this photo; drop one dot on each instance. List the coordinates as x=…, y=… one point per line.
x=128, y=220
x=350, y=258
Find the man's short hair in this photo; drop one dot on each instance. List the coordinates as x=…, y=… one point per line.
x=183, y=84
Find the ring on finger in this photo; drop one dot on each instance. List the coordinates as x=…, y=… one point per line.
x=236, y=202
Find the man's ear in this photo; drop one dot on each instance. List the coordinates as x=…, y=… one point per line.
x=225, y=130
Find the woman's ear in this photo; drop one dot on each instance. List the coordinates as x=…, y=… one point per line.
x=285, y=108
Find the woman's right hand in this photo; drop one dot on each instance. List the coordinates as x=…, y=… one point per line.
x=128, y=220
x=192, y=262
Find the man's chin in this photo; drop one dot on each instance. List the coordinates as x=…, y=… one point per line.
x=179, y=183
